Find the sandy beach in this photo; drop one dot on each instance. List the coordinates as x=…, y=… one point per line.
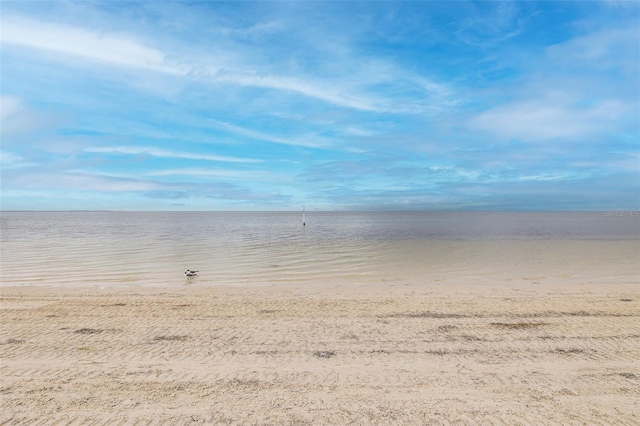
x=518, y=353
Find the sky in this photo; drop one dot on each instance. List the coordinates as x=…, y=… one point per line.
x=343, y=105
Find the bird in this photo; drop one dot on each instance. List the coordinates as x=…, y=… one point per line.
x=190, y=273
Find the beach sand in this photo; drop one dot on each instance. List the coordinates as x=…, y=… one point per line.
x=519, y=353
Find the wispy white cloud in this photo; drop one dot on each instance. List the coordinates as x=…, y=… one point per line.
x=359, y=131
x=309, y=141
x=547, y=119
x=88, y=44
x=322, y=91
x=17, y=118
x=491, y=23
x=577, y=89
x=10, y=160
x=158, y=152
x=610, y=48
x=250, y=175
x=9, y=105
x=55, y=180
x=548, y=177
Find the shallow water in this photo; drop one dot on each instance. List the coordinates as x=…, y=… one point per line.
x=154, y=248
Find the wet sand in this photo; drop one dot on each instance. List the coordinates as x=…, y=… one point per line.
x=516, y=353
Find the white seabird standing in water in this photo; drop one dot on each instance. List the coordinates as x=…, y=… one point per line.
x=189, y=273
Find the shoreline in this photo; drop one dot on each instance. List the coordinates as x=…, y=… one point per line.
x=533, y=284
x=512, y=353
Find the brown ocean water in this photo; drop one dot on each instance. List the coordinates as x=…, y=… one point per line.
x=245, y=248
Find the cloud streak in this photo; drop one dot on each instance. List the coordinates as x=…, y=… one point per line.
x=253, y=134
x=550, y=120
x=86, y=44
x=163, y=153
x=248, y=175
x=320, y=91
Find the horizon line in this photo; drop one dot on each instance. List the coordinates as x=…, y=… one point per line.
x=328, y=211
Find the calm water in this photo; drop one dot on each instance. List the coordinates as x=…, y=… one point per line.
x=154, y=248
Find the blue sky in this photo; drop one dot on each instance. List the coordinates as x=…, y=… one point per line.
x=336, y=105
